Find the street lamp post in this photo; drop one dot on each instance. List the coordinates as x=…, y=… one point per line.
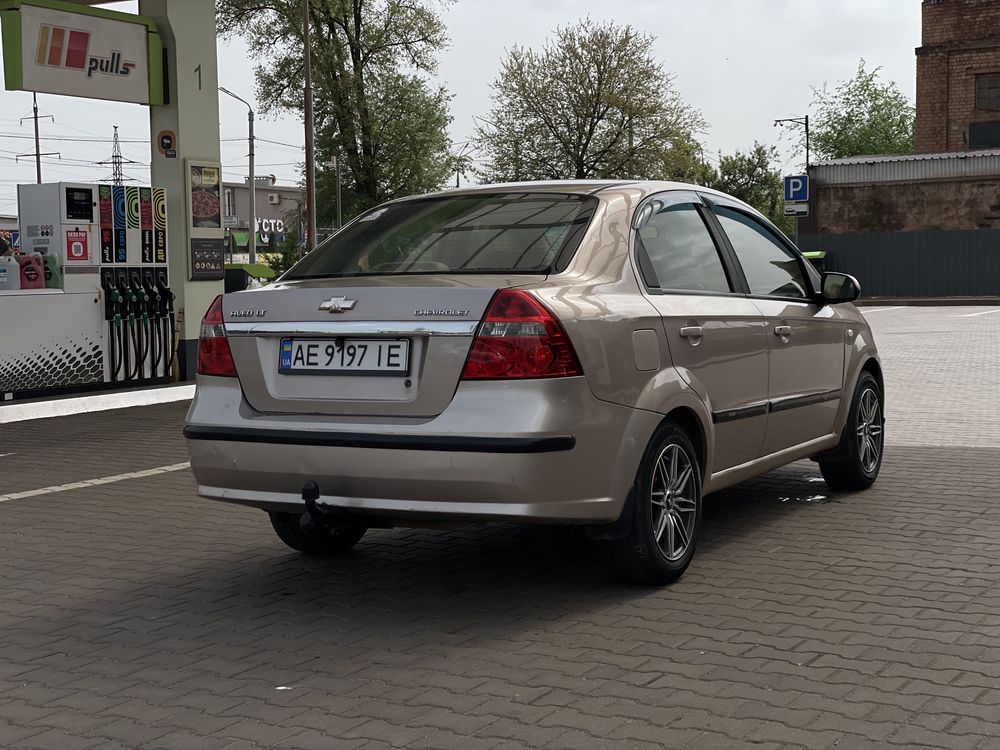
x=803, y=122
x=252, y=242
x=310, y=145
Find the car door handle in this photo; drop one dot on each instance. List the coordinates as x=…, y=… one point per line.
x=692, y=332
x=782, y=330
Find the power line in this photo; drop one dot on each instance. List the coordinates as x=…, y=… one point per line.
x=74, y=140
x=263, y=140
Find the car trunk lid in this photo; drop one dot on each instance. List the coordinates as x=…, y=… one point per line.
x=292, y=342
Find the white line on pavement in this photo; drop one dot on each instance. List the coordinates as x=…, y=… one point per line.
x=99, y=402
x=973, y=315
x=4, y=455
x=94, y=482
x=866, y=310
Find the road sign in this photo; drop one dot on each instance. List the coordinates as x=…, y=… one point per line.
x=796, y=188
x=796, y=209
x=230, y=222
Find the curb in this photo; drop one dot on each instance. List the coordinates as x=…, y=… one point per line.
x=20, y=411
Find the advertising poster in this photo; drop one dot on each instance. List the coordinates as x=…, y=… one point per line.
x=206, y=203
x=160, y=224
x=146, y=223
x=105, y=215
x=76, y=246
x=118, y=206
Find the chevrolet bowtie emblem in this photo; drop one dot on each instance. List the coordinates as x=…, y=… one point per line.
x=338, y=304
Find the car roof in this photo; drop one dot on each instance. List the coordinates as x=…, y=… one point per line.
x=584, y=187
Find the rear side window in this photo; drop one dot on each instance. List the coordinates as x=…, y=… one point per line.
x=476, y=233
x=676, y=252
x=771, y=268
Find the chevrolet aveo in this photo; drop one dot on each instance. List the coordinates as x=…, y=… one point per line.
x=597, y=353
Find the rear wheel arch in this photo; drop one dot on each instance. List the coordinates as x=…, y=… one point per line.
x=688, y=421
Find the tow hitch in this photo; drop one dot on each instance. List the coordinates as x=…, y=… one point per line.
x=314, y=518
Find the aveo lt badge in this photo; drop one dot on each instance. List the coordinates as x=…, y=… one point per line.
x=338, y=304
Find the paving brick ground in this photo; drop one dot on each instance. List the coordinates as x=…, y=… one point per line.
x=134, y=615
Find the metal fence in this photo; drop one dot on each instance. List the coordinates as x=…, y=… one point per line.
x=960, y=263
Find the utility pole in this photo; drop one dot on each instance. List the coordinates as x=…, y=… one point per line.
x=340, y=222
x=252, y=241
x=310, y=144
x=117, y=162
x=38, y=147
x=117, y=174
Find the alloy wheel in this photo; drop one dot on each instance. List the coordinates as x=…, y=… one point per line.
x=869, y=430
x=673, y=501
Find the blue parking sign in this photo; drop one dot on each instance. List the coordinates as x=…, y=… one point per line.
x=797, y=188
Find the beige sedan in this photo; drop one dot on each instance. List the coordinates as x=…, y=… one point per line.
x=597, y=353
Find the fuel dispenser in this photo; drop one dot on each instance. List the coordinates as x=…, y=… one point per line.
x=106, y=311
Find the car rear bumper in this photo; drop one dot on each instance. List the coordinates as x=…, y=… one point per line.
x=553, y=453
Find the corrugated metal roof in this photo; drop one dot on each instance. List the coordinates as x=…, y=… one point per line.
x=906, y=167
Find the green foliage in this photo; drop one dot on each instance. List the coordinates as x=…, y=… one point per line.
x=373, y=104
x=282, y=256
x=592, y=103
x=753, y=177
x=862, y=116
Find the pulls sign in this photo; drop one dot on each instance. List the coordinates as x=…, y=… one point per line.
x=76, y=54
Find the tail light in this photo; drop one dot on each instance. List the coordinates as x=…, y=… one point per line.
x=519, y=338
x=214, y=356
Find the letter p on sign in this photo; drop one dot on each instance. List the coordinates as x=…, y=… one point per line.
x=797, y=188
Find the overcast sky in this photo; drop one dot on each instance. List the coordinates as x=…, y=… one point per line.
x=743, y=63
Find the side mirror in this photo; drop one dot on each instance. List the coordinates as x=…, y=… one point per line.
x=840, y=287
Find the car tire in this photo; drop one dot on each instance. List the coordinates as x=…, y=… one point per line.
x=665, y=506
x=320, y=541
x=862, y=444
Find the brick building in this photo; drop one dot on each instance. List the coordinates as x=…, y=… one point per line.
x=926, y=223
x=953, y=180
x=958, y=76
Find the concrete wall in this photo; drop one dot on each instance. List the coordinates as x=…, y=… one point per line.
x=904, y=206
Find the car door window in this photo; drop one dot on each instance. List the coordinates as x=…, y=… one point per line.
x=770, y=267
x=677, y=253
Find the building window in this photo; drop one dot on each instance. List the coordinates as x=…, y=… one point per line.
x=984, y=135
x=988, y=91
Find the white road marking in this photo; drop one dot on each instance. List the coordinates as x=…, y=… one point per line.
x=974, y=315
x=15, y=412
x=4, y=455
x=866, y=310
x=94, y=482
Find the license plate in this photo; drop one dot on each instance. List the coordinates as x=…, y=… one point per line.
x=342, y=356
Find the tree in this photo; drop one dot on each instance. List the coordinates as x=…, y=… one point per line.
x=862, y=116
x=282, y=256
x=753, y=177
x=374, y=107
x=593, y=103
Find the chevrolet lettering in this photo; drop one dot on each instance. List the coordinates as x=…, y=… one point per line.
x=442, y=313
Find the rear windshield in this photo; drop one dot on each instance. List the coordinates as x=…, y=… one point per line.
x=477, y=233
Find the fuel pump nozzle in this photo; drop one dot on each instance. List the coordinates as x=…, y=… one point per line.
x=168, y=322
x=154, y=311
x=113, y=306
